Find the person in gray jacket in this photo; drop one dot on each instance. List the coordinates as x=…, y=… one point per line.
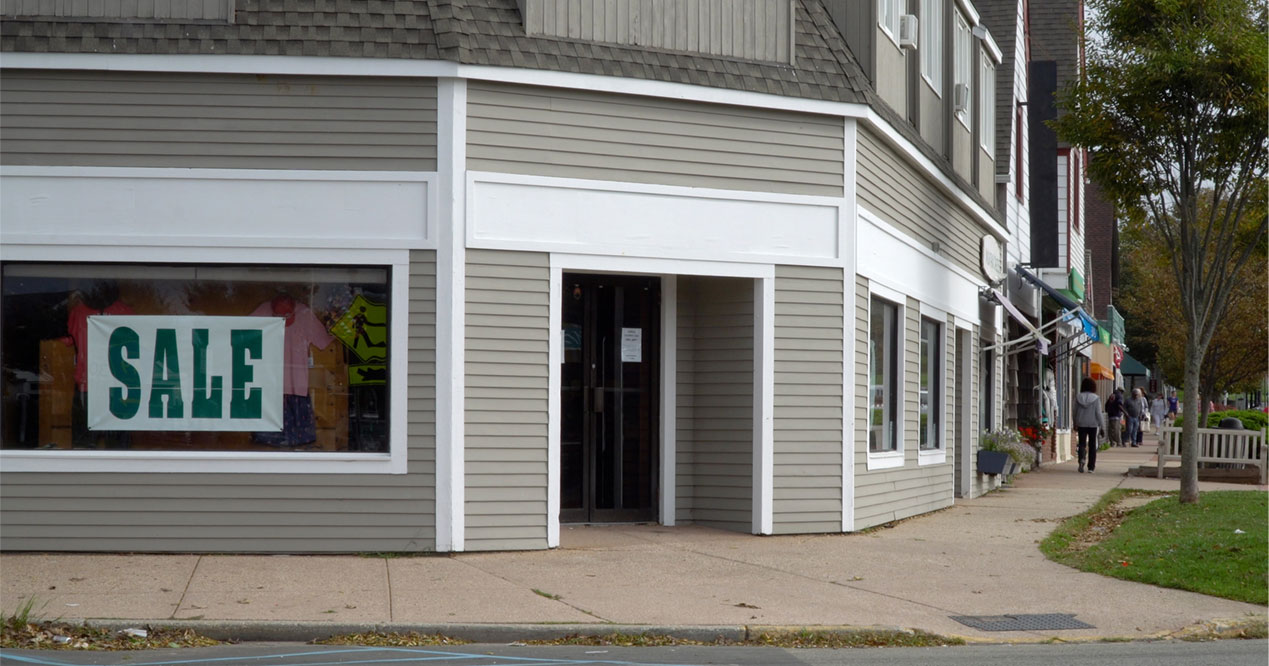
x=1088, y=420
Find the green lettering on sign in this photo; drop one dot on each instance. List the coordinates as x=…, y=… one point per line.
x=243, y=403
x=206, y=403
x=167, y=377
x=124, y=342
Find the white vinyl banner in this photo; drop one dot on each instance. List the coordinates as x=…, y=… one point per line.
x=185, y=373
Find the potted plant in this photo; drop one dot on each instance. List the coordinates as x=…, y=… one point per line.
x=1003, y=452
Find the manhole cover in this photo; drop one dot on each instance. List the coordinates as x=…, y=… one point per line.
x=1035, y=622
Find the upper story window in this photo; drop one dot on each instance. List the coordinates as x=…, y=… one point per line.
x=961, y=49
x=987, y=102
x=932, y=44
x=888, y=12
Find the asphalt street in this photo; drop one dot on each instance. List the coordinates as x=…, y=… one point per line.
x=1160, y=653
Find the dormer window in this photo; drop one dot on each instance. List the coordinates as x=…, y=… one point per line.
x=932, y=44
x=962, y=46
x=888, y=12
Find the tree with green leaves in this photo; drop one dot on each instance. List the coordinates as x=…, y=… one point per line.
x=1173, y=105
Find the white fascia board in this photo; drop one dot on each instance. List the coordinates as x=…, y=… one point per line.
x=233, y=64
x=971, y=14
x=891, y=136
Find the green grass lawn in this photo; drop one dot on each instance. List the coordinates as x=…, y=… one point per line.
x=1219, y=546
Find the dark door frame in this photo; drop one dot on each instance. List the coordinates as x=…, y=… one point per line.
x=600, y=398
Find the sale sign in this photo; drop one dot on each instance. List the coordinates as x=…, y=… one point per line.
x=185, y=373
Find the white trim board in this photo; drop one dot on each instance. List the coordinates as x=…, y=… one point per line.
x=217, y=207
x=451, y=282
x=538, y=213
x=764, y=407
x=894, y=262
x=243, y=462
x=849, y=252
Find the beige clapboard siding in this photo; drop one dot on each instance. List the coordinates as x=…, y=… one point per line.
x=897, y=192
x=248, y=512
x=746, y=29
x=715, y=403
x=601, y=136
x=507, y=321
x=891, y=494
x=137, y=119
x=168, y=10
x=808, y=400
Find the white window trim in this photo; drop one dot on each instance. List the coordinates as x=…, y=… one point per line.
x=239, y=462
x=965, y=51
x=891, y=30
x=889, y=459
x=932, y=43
x=938, y=455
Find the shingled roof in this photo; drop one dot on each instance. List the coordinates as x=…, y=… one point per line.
x=477, y=32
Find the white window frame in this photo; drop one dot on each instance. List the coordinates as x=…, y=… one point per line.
x=240, y=462
x=938, y=453
x=888, y=12
x=987, y=100
x=962, y=47
x=932, y=44
x=892, y=458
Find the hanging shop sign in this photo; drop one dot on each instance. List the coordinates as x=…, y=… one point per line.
x=185, y=373
x=992, y=258
x=1117, y=355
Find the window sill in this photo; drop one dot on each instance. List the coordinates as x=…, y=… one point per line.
x=199, y=462
x=886, y=460
x=932, y=457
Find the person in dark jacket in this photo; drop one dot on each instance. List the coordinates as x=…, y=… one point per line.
x=1114, y=417
x=1088, y=420
x=1135, y=408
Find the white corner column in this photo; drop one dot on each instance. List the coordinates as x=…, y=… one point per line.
x=669, y=398
x=850, y=223
x=763, y=406
x=451, y=166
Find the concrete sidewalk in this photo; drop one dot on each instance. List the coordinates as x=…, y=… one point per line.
x=979, y=557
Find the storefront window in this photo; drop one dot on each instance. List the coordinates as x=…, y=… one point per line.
x=194, y=357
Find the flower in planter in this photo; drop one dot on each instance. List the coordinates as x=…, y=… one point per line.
x=1010, y=442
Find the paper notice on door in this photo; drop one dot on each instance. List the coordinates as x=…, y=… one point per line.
x=632, y=345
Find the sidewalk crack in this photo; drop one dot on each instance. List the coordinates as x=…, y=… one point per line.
x=387, y=572
x=579, y=609
x=181, y=602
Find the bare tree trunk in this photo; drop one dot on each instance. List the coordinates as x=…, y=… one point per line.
x=1194, y=411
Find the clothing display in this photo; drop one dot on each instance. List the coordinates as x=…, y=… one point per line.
x=303, y=330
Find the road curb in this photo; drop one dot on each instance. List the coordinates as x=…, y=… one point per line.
x=304, y=632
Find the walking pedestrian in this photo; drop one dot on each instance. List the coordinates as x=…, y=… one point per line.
x=1088, y=420
x=1114, y=417
x=1173, y=407
x=1134, y=408
x=1158, y=412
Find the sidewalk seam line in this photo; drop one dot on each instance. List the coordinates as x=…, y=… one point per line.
x=181, y=602
x=387, y=572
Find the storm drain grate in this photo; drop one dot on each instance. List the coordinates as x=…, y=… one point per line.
x=1034, y=622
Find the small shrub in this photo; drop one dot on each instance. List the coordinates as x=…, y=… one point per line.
x=1252, y=420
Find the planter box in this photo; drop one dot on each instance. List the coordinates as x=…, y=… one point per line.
x=993, y=462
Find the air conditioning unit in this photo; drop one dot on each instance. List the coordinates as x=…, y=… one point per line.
x=908, y=31
x=960, y=98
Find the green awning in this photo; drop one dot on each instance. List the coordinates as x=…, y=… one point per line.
x=1131, y=366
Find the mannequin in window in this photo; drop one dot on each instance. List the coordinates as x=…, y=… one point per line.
x=102, y=298
x=299, y=426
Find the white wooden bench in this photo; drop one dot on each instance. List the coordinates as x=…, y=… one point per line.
x=1216, y=445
